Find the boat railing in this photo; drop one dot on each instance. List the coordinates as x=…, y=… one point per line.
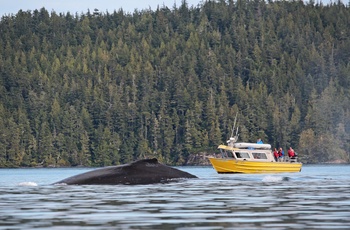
x=290, y=159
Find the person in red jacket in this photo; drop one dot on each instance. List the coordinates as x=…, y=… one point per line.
x=291, y=152
x=275, y=154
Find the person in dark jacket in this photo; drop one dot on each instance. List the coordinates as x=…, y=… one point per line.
x=280, y=155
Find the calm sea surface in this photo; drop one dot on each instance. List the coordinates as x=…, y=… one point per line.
x=316, y=198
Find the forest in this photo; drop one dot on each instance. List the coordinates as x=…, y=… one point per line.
x=106, y=88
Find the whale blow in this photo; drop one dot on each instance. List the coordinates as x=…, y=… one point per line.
x=148, y=171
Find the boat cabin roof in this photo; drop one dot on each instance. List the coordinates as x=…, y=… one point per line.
x=245, y=145
x=227, y=148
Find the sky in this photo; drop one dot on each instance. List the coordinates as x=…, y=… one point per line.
x=8, y=7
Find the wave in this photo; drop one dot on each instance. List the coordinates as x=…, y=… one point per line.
x=275, y=178
x=28, y=184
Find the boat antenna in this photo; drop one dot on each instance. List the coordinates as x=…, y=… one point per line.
x=234, y=126
x=233, y=139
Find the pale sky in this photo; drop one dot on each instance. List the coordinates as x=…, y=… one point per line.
x=81, y=6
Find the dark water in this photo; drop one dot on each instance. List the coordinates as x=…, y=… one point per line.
x=316, y=198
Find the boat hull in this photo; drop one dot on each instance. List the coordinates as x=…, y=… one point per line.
x=222, y=165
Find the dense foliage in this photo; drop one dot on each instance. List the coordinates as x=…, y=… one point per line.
x=101, y=89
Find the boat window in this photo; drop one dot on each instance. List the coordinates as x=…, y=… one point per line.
x=229, y=154
x=242, y=155
x=259, y=156
x=226, y=154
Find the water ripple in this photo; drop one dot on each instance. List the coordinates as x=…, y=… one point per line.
x=307, y=200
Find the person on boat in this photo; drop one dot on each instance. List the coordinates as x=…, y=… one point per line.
x=291, y=153
x=280, y=155
x=275, y=154
x=259, y=141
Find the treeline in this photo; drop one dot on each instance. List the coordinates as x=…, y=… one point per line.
x=103, y=88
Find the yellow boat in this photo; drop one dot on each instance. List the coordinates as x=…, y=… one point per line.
x=251, y=158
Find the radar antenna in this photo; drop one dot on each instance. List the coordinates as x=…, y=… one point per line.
x=233, y=139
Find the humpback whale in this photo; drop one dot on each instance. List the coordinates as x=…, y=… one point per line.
x=147, y=171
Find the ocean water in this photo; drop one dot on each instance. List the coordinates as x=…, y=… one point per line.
x=316, y=198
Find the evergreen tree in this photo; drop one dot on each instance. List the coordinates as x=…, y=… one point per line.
x=108, y=88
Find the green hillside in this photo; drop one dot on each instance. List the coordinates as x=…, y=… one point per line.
x=105, y=88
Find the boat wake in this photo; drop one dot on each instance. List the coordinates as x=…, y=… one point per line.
x=29, y=184
x=275, y=178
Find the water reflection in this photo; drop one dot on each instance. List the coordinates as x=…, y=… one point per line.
x=308, y=200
